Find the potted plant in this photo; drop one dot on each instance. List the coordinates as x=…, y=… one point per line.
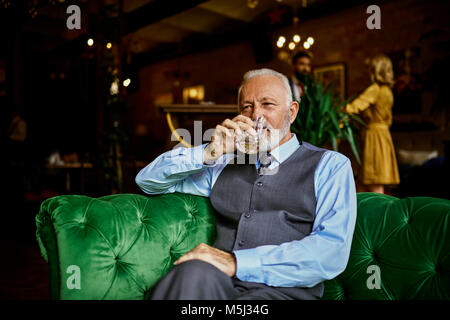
x=323, y=121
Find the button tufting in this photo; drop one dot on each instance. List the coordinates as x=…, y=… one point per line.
x=437, y=268
x=408, y=219
x=375, y=255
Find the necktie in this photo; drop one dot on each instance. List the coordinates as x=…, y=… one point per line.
x=265, y=160
x=302, y=89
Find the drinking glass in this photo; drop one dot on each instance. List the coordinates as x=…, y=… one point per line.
x=248, y=143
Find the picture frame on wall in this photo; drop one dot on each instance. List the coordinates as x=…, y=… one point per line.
x=333, y=75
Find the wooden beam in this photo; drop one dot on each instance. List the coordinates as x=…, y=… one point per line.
x=155, y=11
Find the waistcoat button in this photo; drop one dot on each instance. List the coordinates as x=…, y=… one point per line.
x=247, y=215
x=259, y=184
x=241, y=242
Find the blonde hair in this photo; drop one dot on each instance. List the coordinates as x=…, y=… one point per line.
x=381, y=70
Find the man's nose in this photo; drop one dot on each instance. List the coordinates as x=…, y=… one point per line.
x=257, y=112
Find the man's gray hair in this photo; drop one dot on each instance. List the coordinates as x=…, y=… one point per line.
x=267, y=72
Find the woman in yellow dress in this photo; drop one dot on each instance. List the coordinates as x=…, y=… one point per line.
x=379, y=163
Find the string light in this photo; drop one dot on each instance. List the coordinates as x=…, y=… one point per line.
x=114, y=88
x=109, y=45
x=6, y=3
x=90, y=42
x=126, y=82
x=281, y=41
x=252, y=3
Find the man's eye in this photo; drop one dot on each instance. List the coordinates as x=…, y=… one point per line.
x=246, y=107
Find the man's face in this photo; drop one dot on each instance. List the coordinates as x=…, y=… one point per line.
x=303, y=65
x=266, y=96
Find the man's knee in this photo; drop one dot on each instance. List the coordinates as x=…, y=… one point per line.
x=197, y=270
x=194, y=279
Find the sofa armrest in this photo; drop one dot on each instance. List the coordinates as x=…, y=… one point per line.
x=118, y=246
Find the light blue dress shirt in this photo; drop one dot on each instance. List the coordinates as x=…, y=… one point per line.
x=320, y=256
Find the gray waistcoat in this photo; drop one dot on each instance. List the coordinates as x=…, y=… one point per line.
x=256, y=210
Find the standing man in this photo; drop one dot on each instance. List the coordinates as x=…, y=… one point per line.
x=301, y=74
x=284, y=225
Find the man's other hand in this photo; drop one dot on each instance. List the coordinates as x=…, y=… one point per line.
x=224, y=261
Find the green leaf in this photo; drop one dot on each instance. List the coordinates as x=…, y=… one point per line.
x=352, y=142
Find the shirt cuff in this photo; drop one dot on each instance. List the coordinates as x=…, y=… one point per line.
x=198, y=153
x=197, y=156
x=248, y=265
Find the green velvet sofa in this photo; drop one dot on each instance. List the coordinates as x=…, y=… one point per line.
x=118, y=246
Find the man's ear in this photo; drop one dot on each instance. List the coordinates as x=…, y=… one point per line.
x=293, y=110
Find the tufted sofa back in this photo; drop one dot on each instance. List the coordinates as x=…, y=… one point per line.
x=117, y=247
x=400, y=250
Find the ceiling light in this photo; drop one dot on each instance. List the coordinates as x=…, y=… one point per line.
x=296, y=38
x=310, y=40
x=90, y=42
x=291, y=45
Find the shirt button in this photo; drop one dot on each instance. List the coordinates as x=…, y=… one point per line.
x=259, y=184
x=241, y=242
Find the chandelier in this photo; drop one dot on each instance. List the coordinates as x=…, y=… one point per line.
x=293, y=41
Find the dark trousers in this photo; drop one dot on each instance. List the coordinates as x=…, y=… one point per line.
x=198, y=280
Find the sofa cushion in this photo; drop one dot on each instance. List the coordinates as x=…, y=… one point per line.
x=405, y=242
x=121, y=244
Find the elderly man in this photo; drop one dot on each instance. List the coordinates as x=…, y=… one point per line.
x=281, y=231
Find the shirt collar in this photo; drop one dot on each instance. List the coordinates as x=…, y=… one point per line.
x=285, y=150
